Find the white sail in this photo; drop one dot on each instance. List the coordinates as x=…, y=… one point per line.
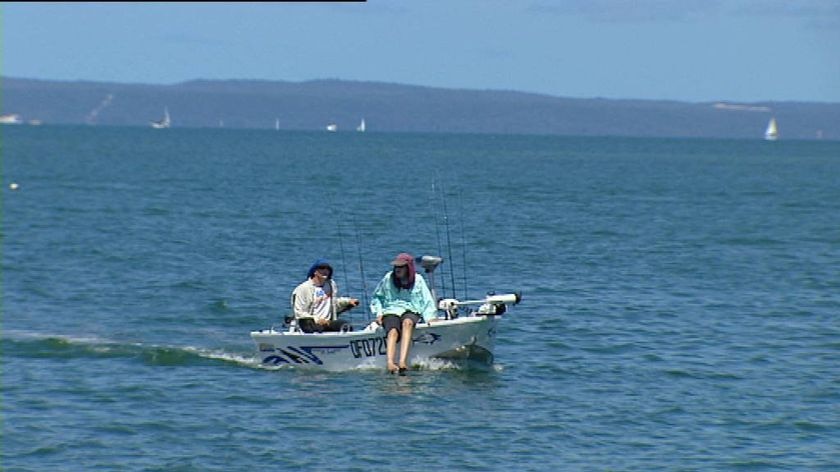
x=165, y=122
x=332, y=127
x=772, y=132
x=277, y=124
x=361, y=127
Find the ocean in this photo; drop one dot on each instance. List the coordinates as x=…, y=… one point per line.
x=680, y=300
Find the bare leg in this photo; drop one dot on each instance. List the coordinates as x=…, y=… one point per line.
x=391, y=351
x=407, y=331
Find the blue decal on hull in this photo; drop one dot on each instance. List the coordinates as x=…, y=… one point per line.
x=276, y=360
x=300, y=355
x=427, y=338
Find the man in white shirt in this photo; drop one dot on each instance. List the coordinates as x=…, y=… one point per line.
x=316, y=303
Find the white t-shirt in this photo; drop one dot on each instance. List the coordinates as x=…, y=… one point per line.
x=311, y=301
x=321, y=302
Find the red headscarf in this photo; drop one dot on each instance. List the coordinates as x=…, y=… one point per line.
x=404, y=259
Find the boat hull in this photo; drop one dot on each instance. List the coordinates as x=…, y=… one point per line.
x=467, y=338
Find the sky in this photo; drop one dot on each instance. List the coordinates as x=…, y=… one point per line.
x=687, y=50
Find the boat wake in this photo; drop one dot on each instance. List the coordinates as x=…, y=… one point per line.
x=53, y=346
x=33, y=345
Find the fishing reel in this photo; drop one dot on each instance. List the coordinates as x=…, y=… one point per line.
x=450, y=307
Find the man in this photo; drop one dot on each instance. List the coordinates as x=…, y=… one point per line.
x=399, y=301
x=316, y=303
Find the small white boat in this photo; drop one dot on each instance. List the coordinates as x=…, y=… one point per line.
x=361, y=127
x=165, y=122
x=453, y=336
x=772, y=132
x=332, y=127
x=10, y=119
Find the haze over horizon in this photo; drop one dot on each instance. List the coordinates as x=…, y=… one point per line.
x=739, y=50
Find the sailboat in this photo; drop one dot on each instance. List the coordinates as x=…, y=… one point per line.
x=361, y=127
x=164, y=123
x=277, y=124
x=332, y=127
x=772, y=132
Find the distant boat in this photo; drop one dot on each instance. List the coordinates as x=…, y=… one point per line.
x=164, y=123
x=10, y=119
x=332, y=127
x=277, y=124
x=361, y=127
x=772, y=132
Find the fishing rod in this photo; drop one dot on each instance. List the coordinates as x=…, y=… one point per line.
x=437, y=232
x=340, y=240
x=463, y=239
x=362, y=273
x=448, y=242
x=341, y=246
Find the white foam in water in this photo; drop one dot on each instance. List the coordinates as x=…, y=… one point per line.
x=439, y=364
x=103, y=345
x=248, y=361
x=32, y=335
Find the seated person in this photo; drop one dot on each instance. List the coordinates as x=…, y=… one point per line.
x=316, y=304
x=399, y=302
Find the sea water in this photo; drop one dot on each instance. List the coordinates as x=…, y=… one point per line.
x=681, y=300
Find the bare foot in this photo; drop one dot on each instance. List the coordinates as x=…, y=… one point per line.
x=392, y=368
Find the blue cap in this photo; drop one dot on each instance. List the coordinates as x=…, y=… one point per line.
x=319, y=263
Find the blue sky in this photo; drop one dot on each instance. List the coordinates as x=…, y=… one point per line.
x=691, y=50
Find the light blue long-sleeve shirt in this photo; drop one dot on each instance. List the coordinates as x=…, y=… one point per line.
x=388, y=299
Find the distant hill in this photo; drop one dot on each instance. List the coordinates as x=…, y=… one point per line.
x=389, y=107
